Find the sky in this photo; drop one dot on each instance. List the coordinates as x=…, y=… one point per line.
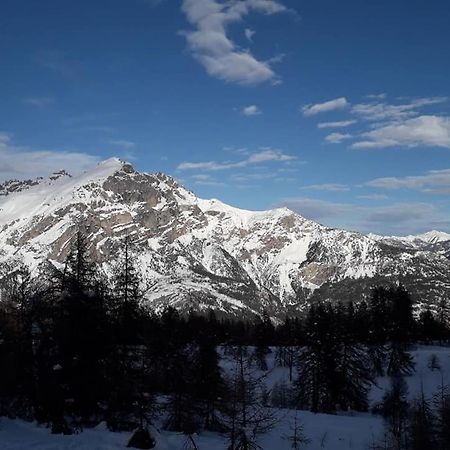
x=337, y=110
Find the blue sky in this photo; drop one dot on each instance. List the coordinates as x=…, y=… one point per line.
x=338, y=110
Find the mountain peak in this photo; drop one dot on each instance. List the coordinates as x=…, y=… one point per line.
x=434, y=236
x=202, y=253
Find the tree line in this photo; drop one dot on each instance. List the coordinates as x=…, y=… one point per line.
x=78, y=348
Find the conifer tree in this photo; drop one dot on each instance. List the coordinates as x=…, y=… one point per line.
x=209, y=385
x=264, y=332
x=400, y=332
x=316, y=363
x=441, y=402
x=395, y=409
x=353, y=375
x=297, y=438
x=247, y=416
x=421, y=425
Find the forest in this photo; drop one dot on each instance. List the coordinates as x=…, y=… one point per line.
x=78, y=348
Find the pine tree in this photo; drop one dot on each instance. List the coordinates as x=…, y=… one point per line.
x=288, y=345
x=79, y=271
x=353, y=374
x=264, y=332
x=334, y=370
x=183, y=412
x=443, y=317
x=127, y=293
x=441, y=402
x=247, y=416
x=402, y=324
x=378, y=324
x=209, y=385
x=316, y=363
x=395, y=408
x=421, y=425
x=297, y=437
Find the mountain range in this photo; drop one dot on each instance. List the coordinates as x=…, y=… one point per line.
x=197, y=254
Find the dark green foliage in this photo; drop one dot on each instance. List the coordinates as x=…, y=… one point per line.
x=421, y=425
x=333, y=369
x=264, y=336
x=395, y=409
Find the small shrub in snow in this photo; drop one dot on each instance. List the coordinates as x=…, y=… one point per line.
x=141, y=439
x=434, y=363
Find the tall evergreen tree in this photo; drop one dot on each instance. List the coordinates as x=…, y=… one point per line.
x=422, y=432
x=247, y=415
x=395, y=409
x=400, y=333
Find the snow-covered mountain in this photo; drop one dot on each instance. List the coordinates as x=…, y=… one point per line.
x=201, y=254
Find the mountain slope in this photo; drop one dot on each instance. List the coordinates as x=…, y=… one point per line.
x=205, y=254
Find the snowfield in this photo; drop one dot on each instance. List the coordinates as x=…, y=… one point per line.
x=347, y=430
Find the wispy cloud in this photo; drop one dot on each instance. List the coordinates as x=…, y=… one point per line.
x=251, y=110
x=123, y=143
x=427, y=131
x=60, y=63
x=318, y=108
x=373, y=197
x=337, y=138
x=381, y=96
x=23, y=162
x=202, y=179
x=376, y=111
x=395, y=218
x=330, y=187
x=262, y=156
x=211, y=46
x=38, y=102
x=433, y=181
x=338, y=124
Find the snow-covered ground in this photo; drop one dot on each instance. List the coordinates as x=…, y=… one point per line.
x=330, y=432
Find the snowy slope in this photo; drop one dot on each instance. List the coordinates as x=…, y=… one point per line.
x=204, y=254
x=350, y=430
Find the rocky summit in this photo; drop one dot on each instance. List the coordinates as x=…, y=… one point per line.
x=197, y=254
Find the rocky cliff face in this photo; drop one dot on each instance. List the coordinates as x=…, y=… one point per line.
x=204, y=254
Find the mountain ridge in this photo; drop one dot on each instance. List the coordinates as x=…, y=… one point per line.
x=204, y=254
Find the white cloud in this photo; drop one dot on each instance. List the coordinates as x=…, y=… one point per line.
x=381, y=96
x=337, y=138
x=312, y=110
x=249, y=34
x=268, y=154
x=38, y=101
x=386, y=112
x=338, y=124
x=401, y=214
x=210, y=45
x=316, y=209
x=433, y=181
x=23, y=163
x=428, y=131
x=373, y=197
x=330, y=187
x=251, y=110
x=123, y=143
x=262, y=156
x=202, y=179
x=395, y=218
